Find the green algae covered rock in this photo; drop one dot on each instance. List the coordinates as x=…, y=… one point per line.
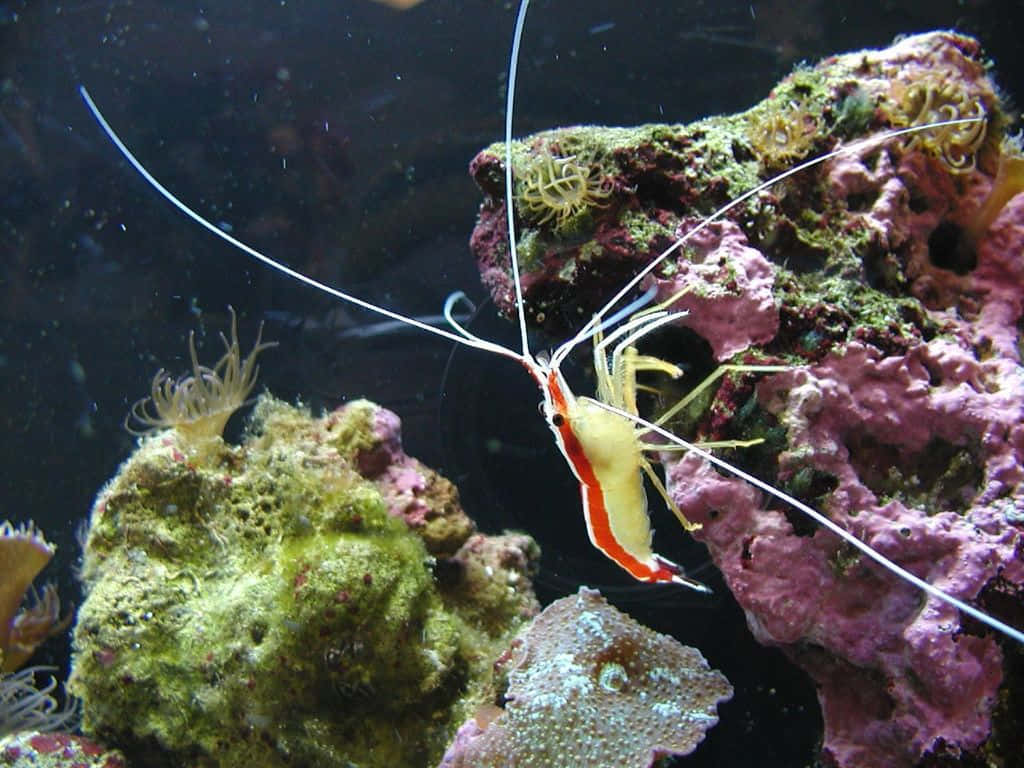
x=275, y=605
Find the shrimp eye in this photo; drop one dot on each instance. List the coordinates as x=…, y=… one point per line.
x=558, y=419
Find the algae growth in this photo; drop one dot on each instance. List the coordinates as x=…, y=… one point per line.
x=275, y=605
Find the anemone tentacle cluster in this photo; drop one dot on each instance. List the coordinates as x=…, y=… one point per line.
x=555, y=190
x=198, y=405
x=24, y=552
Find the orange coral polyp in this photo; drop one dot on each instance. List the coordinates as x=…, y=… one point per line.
x=560, y=188
x=23, y=554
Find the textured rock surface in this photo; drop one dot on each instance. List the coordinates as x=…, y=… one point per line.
x=901, y=417
x=275, y=606
x=587, y=685
x=31, y=749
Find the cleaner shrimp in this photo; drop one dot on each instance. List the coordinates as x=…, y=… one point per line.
x=611, y=486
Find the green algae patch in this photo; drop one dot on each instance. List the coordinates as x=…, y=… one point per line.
x=277, y=607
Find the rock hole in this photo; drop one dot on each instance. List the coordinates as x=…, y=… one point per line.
x=948, y=248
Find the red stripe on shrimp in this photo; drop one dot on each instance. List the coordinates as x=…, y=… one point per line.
x=595, y=510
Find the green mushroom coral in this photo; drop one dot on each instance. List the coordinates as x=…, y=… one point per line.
x=272, y=609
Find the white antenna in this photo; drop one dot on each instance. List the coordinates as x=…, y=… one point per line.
x=819, y=518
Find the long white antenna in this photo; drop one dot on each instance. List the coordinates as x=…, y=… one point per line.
x=587, y=330
x=510, y=213
x=474, y=342
x=819, y=518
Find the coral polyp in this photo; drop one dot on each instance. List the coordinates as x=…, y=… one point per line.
x=934, y=99
x=198, y=405
x=24, y=552
x=559, y=189
x=781, y=133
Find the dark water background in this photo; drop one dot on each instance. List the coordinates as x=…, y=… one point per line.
x=335, y=136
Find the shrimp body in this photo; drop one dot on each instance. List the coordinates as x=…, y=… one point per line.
x=603, y=451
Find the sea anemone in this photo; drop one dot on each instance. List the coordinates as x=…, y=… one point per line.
x=199, y=404
x=933, y=99
x=559, y=189
x=782, y=132
x=25, y=707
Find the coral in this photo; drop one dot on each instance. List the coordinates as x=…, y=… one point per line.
x=586, y=685
x=35, y=749
x=782, y=132
x=901, y=418
x=198, y=405
x=23, y=554
x=558, y=189
x=661, y=177
x=892, y=668
x=936, y=97
x=276, y=605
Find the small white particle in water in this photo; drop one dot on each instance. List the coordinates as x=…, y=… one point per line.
x=284, y=74
x=77, y=372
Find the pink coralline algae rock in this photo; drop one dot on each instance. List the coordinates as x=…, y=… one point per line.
x=32, y=749
x=902, y=417
x=587, y=685
x=426, y=501
x=726, y=286
x=911, y=435
x=924, y=451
